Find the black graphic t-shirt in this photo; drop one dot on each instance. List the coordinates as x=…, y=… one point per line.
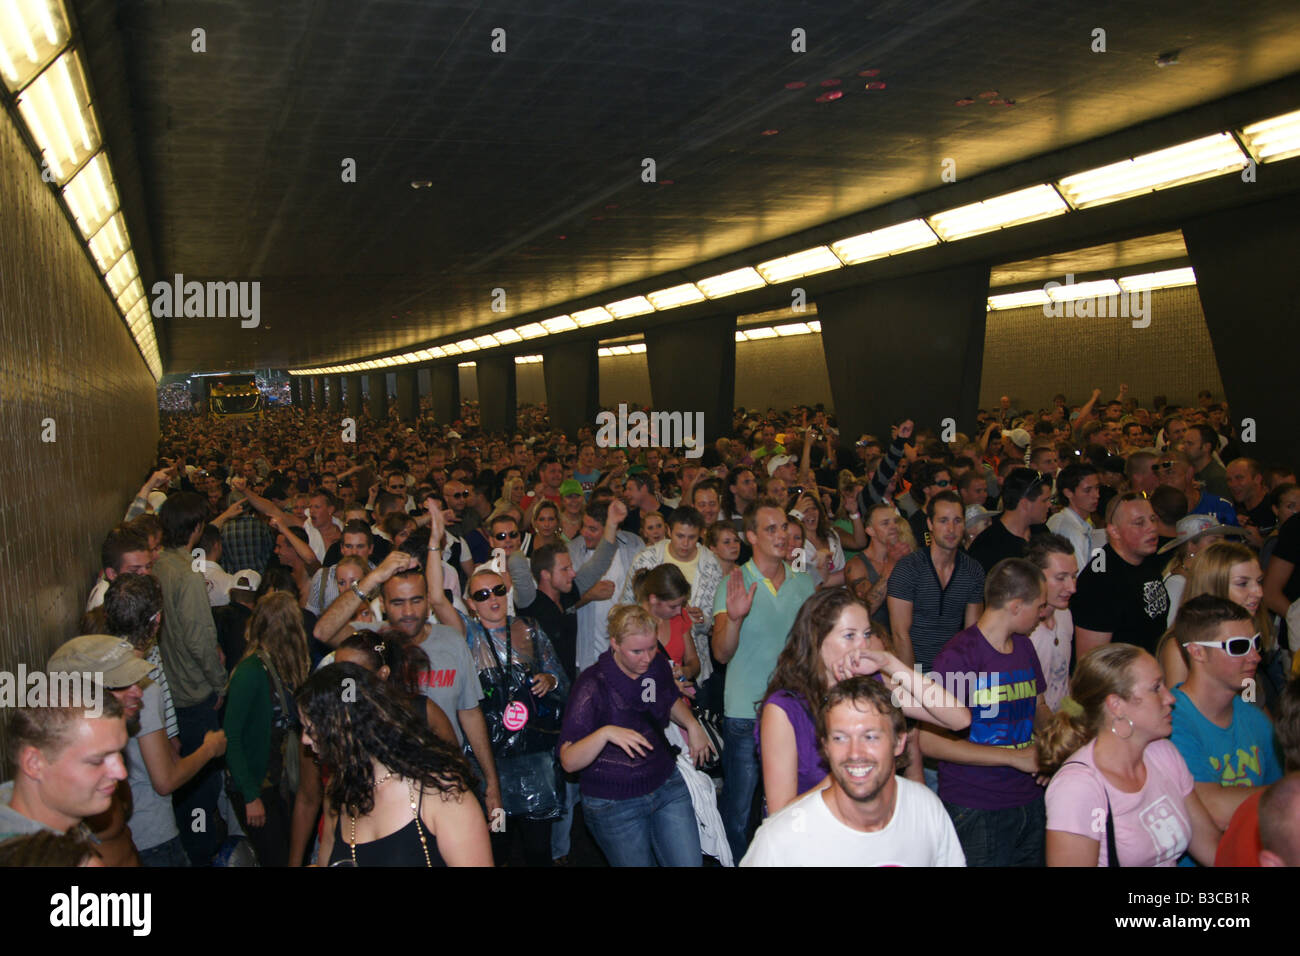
x=1128, y=601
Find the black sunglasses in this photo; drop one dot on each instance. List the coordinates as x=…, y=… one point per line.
x=482, y=594
x=459, y=494
x=503, y=535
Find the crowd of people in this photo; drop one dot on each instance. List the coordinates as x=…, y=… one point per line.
x=1063, y=638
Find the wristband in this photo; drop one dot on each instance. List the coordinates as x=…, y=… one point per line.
x=359, y=593
x=855, y=517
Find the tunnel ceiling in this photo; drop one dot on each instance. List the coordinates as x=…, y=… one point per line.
x=535, y=155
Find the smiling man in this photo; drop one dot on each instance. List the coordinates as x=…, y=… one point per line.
x=868, y=815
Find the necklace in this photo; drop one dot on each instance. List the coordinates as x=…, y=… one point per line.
x=352, y=844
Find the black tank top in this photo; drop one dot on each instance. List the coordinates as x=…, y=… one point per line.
x=400, y=848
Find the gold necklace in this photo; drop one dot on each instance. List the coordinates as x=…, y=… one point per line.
x=352, y=844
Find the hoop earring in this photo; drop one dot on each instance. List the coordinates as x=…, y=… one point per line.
x=1131, y=728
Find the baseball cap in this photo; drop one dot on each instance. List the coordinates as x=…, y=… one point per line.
x=1019, y=437
x=246, y=580
x=978, y=513
x=570, y=486
x=156, y=499
x=1193, y=526
x=104, y=654
x=776, y=461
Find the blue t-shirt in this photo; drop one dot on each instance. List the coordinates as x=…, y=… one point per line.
x=1242, y=755
x=1001, y=691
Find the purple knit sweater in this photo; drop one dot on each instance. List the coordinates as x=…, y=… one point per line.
x=602, y=695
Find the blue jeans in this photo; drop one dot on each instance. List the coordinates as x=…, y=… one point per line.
x=561, y=828
x=740, y=771
x=1013, y=837
x=171, y=853
x=656, y=829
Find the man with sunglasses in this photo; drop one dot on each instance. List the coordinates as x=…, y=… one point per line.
x=1026, y=495
x=1226, y=740
x=928, y=479
x=457, y=494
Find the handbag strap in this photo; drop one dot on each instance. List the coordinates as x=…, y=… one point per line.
x=1112, y=852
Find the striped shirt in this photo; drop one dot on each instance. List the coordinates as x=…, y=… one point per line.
x=937, y=612
x=159, y=677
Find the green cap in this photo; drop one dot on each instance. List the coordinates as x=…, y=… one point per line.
x=570, y=486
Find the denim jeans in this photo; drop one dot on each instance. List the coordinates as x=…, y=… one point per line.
x=1013, y=837
x=740, y=774
x=658, y=828
x=560, y=829
x=201, y=834
x=171, y=853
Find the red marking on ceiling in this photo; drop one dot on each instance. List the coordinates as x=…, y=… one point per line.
x=988, y=94
x=876, y=85
x=828, y=97
x=868, y=73
x=796, y=85
x=831, y=82
x=965, y=101
x=665, y=182
x=770, y=132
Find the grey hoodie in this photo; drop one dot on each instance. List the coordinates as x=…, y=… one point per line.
x=13, y=823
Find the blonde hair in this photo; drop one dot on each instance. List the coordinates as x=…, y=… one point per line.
x=629, y=619
x=1210, y=572
x=1103, y=671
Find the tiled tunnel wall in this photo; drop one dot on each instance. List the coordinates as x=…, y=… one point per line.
x=70, y=372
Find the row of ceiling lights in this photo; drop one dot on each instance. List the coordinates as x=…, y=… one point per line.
x=1215, y=155
x=43, y=70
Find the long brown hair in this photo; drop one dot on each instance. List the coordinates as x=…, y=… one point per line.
x=275, y=630
x=799, y=669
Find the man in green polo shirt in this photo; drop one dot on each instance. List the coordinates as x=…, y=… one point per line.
x=752, y=619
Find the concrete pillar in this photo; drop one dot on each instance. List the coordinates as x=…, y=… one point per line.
x=352, y=395
x=1246, y=277
x=496, y=393
x=572, y=376
x=408, y=394
x=334, y=393
x=378, y=388
x=317, y=392
x=911, y=347
x=444, y=390
x=693, y=369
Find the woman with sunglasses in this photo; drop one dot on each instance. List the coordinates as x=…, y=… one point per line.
x=525, y=685
x=1109, y=751
x=831, y=640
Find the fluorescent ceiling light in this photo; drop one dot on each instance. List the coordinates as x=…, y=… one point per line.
x=1011, y=209
x=527, y=359
x=603, y=352
x=636, y=348
x=675, y=296
x=451, y=349
x=1017, y=300
x=889, y=241
x=530, y=331
x=799, y=264
x=1099, y=288
x=741, y=336
x=91, y=195
x=120, y=276
x=127, y=300
x=760, y=332
x=729, y=283
x=626, y=308
x=56, y=108
x=31, y=33
x=1186, y=163
x=486, y=341
x=596, y=316
x=815, y=326
x=424, y=355
x=109, y=243
x=467, y=365
x=1275, y=138
x=1168, y=279
x=467, y=345
x=508, y=336
x=795, y=328
x=438, y=351
x=560, y=323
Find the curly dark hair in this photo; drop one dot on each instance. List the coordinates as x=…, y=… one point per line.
x=390, y=647
x=353, y=718
x=799, y=669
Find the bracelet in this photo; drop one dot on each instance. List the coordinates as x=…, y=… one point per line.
x=855, y=517
x=359, y=593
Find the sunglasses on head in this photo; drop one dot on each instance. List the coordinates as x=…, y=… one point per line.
x=482, y=594
x=1235, y=646
x=503, y=535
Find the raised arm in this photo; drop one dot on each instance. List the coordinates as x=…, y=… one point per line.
x=442, y=608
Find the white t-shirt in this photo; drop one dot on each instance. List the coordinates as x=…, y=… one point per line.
x=218, y=583
x=806, y=833
x=1052, y=640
